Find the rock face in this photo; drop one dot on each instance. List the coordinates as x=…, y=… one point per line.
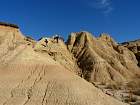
x=31, y=77
x=59, y=52
x=134, y=46
x=102, y=59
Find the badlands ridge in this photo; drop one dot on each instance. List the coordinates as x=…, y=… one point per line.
x=39, y=73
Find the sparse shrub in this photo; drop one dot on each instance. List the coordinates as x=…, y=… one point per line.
x=137, y=92
x=130, y=99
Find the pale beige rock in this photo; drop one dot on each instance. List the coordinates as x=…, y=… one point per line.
x=102, y=59
x=133, y=46
x=28, y=77
x=59, y=52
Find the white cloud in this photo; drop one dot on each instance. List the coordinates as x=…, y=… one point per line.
x=108, y=10
x=105, y=6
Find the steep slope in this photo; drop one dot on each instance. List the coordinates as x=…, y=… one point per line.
x=102, y=59
x=134, y=46
x=59, y=52
x=28, y=77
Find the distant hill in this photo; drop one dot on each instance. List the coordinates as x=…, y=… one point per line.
x=134, y=46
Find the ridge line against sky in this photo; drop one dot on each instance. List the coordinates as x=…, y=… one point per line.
x=36, y=18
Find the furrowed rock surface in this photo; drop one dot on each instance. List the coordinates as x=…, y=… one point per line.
x=29, y=77
x=103, y=60
x=133, y=46
x=59, y=52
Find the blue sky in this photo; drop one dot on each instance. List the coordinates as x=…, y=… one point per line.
x=36, y=18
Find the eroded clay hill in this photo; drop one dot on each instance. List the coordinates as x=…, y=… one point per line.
x=58, y=52
x=134, y=46
x=30, y=77
x=102, y=60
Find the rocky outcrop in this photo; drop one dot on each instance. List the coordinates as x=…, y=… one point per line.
x=9, y=25
x=102, y=59
x=133, y=46
x=31, y=77
x=30, y=40
x=59, y=52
